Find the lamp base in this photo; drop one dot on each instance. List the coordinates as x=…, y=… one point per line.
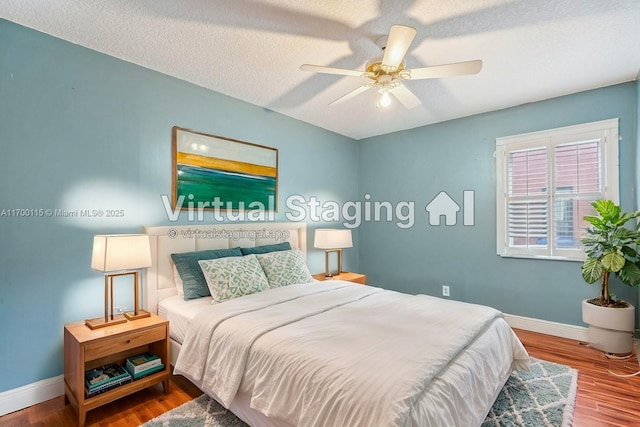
x=99, y=322
x=133, y=316
x=328, y=272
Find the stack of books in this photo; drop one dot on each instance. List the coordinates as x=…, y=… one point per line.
x=104, y=378
x=143, y=365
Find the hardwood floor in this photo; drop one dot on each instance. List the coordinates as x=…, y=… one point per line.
x=603, y=400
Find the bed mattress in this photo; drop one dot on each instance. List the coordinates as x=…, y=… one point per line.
x=459, y=395
x=179, y=313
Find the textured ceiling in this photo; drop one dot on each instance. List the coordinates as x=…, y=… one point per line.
x=251, y=49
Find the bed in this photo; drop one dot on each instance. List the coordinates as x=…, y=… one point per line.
x=328, y=353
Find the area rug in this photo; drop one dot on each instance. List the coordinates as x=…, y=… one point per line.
x=541, y=397
x=544, y=396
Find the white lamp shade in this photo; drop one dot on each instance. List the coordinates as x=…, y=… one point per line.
x=328, y=238
x=118, y=252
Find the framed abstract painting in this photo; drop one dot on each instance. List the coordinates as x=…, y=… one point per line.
x=214, y=172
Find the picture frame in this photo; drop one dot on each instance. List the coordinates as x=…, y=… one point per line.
x=220, y=173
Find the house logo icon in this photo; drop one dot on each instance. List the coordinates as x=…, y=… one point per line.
x=445, y=206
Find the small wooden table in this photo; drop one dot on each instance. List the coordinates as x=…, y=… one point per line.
x=86, y=349
x=345, y=275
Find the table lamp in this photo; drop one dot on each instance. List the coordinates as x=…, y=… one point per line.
x=119, y=255
x=332, y=240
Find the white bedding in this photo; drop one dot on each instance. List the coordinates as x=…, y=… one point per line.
x=337, y=354
x=180, y=313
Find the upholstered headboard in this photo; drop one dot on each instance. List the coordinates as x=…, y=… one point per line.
x=158, y=281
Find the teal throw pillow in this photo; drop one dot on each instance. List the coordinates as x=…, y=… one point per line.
x=284, y=246
x=193, y=281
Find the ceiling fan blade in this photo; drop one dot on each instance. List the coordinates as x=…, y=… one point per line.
x=406, y=97
x=330, y=70
x=400, y=37
x=447, y=70
x=351, y=94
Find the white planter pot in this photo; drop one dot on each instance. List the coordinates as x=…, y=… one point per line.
x=610, y=329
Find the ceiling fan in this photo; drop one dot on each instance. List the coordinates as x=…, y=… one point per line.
x=388, y=73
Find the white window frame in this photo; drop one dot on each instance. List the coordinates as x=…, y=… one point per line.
x=607, y=131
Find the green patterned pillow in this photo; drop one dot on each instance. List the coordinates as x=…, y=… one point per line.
x=285, y=268
x=233, y=277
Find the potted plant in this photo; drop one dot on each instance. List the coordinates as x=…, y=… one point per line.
x=611, y=248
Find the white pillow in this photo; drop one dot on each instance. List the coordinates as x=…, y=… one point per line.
x=177, y=280
x=233, y=277
x=284, y=268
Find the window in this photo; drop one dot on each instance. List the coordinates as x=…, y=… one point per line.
x=546, y=182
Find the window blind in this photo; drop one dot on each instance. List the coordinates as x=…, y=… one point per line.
x=546, y=183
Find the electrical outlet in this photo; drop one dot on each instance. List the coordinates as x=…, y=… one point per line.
x=445, y=291
x=120, y=309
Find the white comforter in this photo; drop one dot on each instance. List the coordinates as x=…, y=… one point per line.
x=330, y=353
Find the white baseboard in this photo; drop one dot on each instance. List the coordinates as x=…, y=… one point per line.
x=31, y=394
x=578, y=333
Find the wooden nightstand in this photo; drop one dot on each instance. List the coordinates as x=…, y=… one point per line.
x=345, y=275
x=86, y=349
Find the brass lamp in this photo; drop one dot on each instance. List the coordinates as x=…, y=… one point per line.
x=332, y=240
x=119, y=255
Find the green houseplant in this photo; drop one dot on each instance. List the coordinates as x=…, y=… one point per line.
x=611, y=248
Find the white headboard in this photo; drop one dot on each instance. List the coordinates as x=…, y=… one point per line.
x=165, y=240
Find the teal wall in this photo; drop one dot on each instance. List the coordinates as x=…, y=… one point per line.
x=458, y=155
x=82, y=130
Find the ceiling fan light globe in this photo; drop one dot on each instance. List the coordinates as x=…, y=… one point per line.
x=384, y=80
x=385, y=99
